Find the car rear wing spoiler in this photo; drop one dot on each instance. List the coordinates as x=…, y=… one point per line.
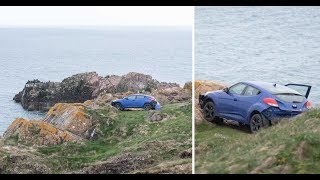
x=306, y=92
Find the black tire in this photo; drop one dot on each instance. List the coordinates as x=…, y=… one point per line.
x=256, y=123
x=119, y=106
x=147, y=106
x=209, y=113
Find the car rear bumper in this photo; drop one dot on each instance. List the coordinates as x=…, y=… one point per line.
x=275, y=114
x=157, y=106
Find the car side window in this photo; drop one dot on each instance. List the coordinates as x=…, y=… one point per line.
x=237, y=88
x=131, y=97
x=140, y=97
x=251, y=91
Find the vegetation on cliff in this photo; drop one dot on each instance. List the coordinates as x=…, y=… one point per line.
x=292, y=146
x=129, y=142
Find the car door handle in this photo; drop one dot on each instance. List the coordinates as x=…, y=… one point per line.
x=235, y=99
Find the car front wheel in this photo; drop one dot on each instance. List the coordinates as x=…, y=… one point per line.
x=256, y=123
x=118, y=106
x=209, y=113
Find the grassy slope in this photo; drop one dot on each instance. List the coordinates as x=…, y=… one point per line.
x=130, y=132
x=288, y=147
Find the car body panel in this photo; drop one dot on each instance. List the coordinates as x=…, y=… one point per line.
x=137, y=101
x=240, y=107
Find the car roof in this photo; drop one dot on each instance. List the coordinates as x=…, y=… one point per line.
x=138, y=95
x=273, y=88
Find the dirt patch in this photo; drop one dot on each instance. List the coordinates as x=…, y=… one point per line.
x=124, y=163
x=186, y=154
x=301, y=151
x=176, y=169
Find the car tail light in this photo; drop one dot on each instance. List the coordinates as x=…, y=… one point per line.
x=151, y=98
x=271, y=102
x=308, y=104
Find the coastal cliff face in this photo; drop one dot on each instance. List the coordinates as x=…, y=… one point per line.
x=41, y=96
x=94, y=137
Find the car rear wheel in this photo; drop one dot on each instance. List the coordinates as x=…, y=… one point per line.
x=147, y=106
x=256, y=123
x=209, y=113
x=118, y=106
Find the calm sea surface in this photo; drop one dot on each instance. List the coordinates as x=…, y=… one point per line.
x=273, y=44
x=56, y=53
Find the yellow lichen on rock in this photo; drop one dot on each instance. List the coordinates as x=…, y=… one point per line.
x=203, y=86
x=37, y=132
x=69, y=116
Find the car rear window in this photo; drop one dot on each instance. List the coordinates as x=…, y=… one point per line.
x=278, y=89
x=290, y=98
x=282, y=92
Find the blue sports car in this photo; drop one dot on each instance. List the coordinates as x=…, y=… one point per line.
x=137, y=101
x=255, y=104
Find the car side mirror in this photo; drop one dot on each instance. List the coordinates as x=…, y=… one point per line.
x=226, y=89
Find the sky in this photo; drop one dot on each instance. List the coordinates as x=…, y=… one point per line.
x=96, y=16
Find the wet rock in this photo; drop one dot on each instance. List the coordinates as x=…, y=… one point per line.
x=36, y=132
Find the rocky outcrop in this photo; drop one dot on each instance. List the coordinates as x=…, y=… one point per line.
x=69, y=116
x=41, y=96
x=137, y=82
x=37, y=132
x=74, y=118
x=201, y=87
x=157, y=116
x=173, y=94
x=38, y=95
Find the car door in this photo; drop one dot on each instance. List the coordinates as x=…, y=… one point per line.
x=301, y=88
x=245, y=101
x=130, y=101
x=228, y=107
x=140, y=100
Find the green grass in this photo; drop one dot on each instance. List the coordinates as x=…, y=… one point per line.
x=288, y=147
x=128, y=131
